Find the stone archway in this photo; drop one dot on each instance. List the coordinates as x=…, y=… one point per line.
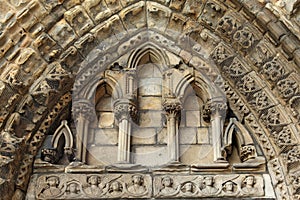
x=258, y=83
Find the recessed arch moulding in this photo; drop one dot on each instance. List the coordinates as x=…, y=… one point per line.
x=255, y=54
x=199, y=80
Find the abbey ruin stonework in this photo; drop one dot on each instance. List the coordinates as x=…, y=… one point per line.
x=149, y=99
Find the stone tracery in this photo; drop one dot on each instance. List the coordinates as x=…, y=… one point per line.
x=238, y=103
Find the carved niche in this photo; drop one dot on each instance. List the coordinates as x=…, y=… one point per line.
x=151, y=126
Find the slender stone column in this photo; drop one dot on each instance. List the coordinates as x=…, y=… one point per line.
x=125, y=112
x=217, y=112
x=173, y=110
x=83, y=112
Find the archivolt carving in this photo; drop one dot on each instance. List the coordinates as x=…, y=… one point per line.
x=34, y=24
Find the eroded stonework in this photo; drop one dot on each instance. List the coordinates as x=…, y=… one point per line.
x=219, y=92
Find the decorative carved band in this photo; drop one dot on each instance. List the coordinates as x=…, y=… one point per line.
x=106, y=186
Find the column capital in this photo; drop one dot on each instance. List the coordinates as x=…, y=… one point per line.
x=172, y=107
x=125, y=109
x=83, y=108
x=213, y=107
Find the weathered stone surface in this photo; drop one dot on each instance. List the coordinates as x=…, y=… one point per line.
x=243, y=53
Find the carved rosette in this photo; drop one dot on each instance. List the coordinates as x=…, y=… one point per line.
x=172, y=108
x=125, y=110
x=84, y=109
x=247, y=152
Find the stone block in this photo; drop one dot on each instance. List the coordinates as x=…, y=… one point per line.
x=176, y=25
x=150, y=103
x=26, y=19
x=114, y=5
x=192, y=8
x=187, y=135
x=265, y=16
x=107, y=136
x=193, y=102
x=162, y=135
x=105, y=104
x=97, y=9
x=289, y=45
x=158, y=16
x=106, y=120
x=62, y=33
x=193, y=154
x=297, y=57
x=134, y=16
x=211, y=14
x=150, y=119
x=150, y=155
x=192, y=118
x=149, y=70
x=102, y=155
x=276, y=30
x=143, y=136
x=79, y=20
x=203, y=135
x=150, y=87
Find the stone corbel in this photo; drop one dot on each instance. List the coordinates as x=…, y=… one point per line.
x=172, y=109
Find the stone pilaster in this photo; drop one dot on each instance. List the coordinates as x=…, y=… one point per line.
x=172, y=110
x=125, y=112
x=216, y=112
x=83, y=112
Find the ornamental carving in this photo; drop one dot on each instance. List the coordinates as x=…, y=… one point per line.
x=172, y=107
x=93, y=186
x=273, y=70
x=227, y=26
x=247, y=152
x=124, y=110
x=244, y=37
x=107, y=186
x=83, y=109
x=287, y=88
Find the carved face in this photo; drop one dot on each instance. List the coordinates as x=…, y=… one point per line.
x=94, y=180
x=167, y=182
x=137, y=180
x=229, y=186
x=188, y=187
x=52, y=181
x=73, y=188
x=209, y=181
x=115, y=186
x=249, y=180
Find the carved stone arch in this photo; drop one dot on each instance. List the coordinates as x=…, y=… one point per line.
x=63, y=131
x=258, y=13
x=243, y=139
x=89, y=90
x=148, y=48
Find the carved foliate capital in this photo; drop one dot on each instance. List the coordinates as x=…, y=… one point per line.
x=125, y=110
x=50, y=155
x=83, y=109
x=212, y=108
x=172, y=107
x=247, y=152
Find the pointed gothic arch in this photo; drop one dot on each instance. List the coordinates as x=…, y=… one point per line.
x=266, y=121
